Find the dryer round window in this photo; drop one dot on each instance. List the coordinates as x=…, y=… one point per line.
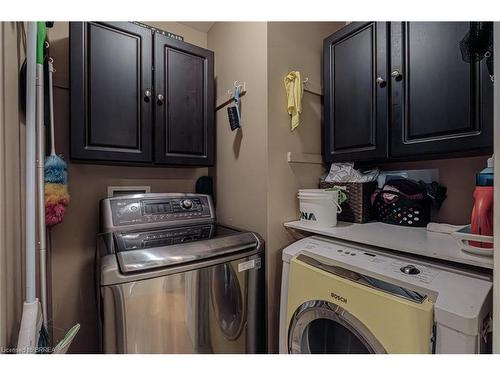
x=321, y=327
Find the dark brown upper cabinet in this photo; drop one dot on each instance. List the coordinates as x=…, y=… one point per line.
x=184, y=86
x=139, y=97
x=355, y=104
x=110, y=67
x=440, y=103
x=401, y=91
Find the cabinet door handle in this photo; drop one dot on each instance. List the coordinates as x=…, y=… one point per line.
x=160, y=99
x=380, y=81
x=147, y=95
x=396, y=75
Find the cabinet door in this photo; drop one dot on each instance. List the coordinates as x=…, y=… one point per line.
x=184, y=101
x=355, y=107
x=440, y=103
x=111, y=119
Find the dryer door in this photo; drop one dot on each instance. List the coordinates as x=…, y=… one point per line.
x=321, y=327
x=334, y=309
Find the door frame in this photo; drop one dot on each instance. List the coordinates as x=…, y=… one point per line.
x=496, y=213
x=11, y=184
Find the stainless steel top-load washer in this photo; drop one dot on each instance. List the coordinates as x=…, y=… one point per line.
x=170, y=280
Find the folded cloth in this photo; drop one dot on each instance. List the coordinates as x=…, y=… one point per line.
x=403, y=187
x=408, y=187
x=435, y=192
x=294, y=91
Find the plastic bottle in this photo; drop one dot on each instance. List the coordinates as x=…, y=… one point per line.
x=482, y=212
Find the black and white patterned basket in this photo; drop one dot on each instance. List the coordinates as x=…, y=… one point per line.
x=402, y=211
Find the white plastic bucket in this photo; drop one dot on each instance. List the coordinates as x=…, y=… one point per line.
x=319, y=207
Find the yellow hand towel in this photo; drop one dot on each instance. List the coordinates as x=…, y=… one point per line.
x=294, y=91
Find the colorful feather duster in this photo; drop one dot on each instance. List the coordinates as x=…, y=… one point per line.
x=56, y=173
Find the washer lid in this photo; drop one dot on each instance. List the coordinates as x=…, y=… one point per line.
x=142, y=250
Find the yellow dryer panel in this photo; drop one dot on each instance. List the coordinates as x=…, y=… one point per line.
x=400, y=325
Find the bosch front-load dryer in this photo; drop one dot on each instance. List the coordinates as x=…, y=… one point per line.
x=342, y=298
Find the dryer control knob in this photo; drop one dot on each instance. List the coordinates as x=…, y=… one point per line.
x=410, y=269
x=187, y=204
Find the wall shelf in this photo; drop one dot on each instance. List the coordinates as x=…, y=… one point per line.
x=297, y=157
x=312, y=88
x=416, y=241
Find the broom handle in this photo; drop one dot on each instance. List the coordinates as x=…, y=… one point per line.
x=40, y=192
x=51, y=108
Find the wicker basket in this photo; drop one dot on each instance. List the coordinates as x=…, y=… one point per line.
x=357, y=208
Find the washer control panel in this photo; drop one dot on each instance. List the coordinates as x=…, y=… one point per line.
x=386, y=265
x=159, y=209
x=131, y=240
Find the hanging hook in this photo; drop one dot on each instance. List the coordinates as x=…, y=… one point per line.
x=236, y=85
x=50, y=61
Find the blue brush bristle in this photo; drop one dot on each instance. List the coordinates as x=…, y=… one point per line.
x=55, y=169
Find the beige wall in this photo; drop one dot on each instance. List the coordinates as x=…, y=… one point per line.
x=11, y=185
x=190, y=35
x=241, y=165
x=255, y=185
x=73, y=241
x=291, y=46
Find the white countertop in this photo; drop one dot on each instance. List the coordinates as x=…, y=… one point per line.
x=409, y=240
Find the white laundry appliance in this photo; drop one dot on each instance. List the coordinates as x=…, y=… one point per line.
x=338, y=297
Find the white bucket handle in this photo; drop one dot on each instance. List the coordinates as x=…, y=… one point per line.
x=334, y=201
